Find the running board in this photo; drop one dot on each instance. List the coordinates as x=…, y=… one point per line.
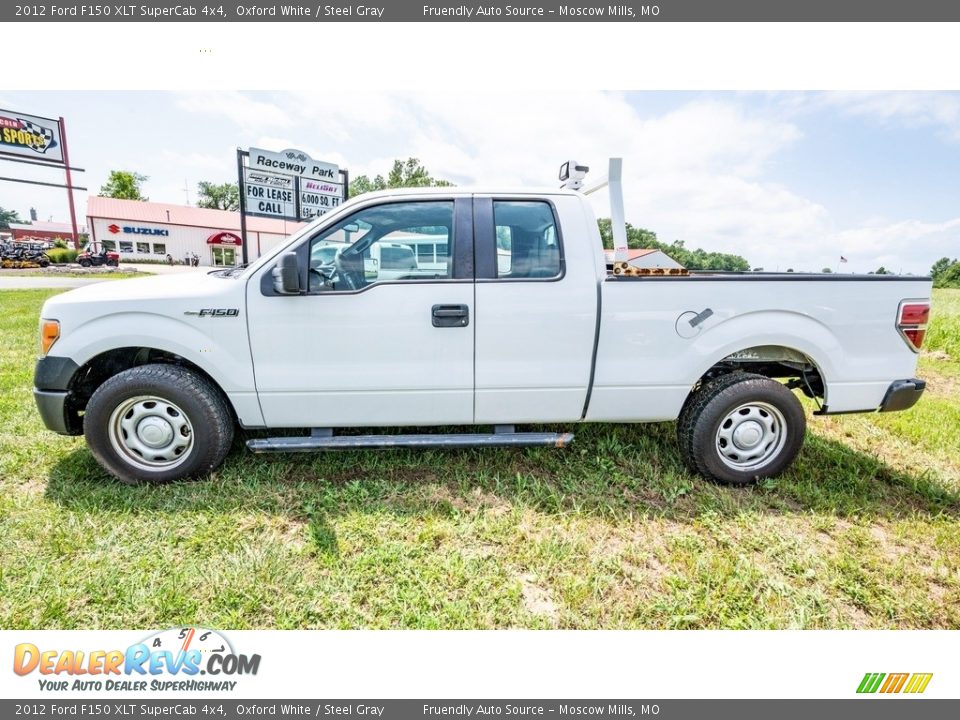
x=320, y=441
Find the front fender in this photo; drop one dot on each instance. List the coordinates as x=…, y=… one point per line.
x=221, y=352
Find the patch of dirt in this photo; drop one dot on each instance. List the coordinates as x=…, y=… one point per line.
x=476, y=499
x=938, y=384
x=480, y=551
x=825, y=538
x=537, y=600
x=887, y=546
x=850, y=616
x=937, y=591
x=343, y=477
x=33, y=486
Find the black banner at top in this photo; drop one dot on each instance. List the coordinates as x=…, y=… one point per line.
x=451, y=11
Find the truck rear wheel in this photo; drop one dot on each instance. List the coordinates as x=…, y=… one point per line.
x=157, y=423
x=740, y=428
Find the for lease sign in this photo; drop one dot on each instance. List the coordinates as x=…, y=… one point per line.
x=267, y=193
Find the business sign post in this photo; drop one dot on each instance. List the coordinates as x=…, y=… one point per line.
x=36, y=140
x=289, y=185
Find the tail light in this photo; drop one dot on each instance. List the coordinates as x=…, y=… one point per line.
x=912, y=320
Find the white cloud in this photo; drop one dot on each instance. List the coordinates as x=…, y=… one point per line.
x=703, y=172
x=911, y=109
x=246, y=113
x=901, y=243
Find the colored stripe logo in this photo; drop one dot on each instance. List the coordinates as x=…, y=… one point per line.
x=913, y=683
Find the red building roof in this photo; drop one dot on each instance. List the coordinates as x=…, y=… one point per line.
x=45, y=230
x=633, y=253
x=150, y=212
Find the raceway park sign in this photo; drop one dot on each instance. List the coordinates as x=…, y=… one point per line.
x=290, y=184
x=30, y=136
x=293, y=162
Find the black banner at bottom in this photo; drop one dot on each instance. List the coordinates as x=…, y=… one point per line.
x=869, y=708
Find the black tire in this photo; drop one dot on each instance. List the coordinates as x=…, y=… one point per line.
x=178, y=396
x=85, y=263
x=741, y=407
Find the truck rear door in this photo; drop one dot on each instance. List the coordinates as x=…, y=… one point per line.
x=536, y=318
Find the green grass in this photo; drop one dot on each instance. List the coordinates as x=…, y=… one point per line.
x=943, y=336
x=613, y=532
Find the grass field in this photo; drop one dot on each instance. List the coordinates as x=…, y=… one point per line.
x=863, y=532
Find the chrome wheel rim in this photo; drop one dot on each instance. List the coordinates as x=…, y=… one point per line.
x=751, y=436
x=151, y=433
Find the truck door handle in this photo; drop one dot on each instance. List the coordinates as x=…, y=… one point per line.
x=450, y=315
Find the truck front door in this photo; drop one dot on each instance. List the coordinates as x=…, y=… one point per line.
x=375, y=340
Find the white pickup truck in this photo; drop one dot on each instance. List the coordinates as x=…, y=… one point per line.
x=519, y=321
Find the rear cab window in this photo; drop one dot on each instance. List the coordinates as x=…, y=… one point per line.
x=527, y=241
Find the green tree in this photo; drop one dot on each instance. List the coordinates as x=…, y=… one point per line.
x=697, y=259
x=882, y=271
x=225, y=196
x=7, y=217
x=940, y=267
x=409, y=173
x=946, y=274
x=124, y=185
x=826, y=271
x=363, y=184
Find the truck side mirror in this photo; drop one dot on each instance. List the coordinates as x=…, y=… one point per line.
x=286, y=275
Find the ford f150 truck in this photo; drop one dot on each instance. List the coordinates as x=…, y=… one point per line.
x=519, y=320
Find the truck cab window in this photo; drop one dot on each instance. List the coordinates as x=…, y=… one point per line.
x=395, y=242
x=528, y=246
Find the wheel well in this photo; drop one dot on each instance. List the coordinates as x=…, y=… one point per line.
x=100, y=368
x=773, y=361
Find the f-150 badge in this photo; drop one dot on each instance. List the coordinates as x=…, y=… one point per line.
x=214, y=312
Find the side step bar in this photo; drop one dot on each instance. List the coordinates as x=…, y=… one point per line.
x=324, y=439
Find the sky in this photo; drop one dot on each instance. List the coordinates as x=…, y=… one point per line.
x=788, y=180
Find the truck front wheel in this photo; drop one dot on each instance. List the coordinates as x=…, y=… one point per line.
x=741, y=427
x=157, y=423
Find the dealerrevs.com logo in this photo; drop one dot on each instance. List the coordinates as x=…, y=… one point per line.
x=178, y=659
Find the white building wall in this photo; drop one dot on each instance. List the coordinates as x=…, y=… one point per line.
x=177, y=240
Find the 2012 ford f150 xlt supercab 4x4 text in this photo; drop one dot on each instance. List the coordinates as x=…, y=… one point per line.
x=497, y=309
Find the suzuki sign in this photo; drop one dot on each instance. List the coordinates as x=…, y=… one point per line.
x=135, y=230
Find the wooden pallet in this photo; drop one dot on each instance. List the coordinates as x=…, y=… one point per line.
x=622, y=268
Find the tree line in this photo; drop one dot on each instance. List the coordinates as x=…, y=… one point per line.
x=946, y=273
x=692, y=259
